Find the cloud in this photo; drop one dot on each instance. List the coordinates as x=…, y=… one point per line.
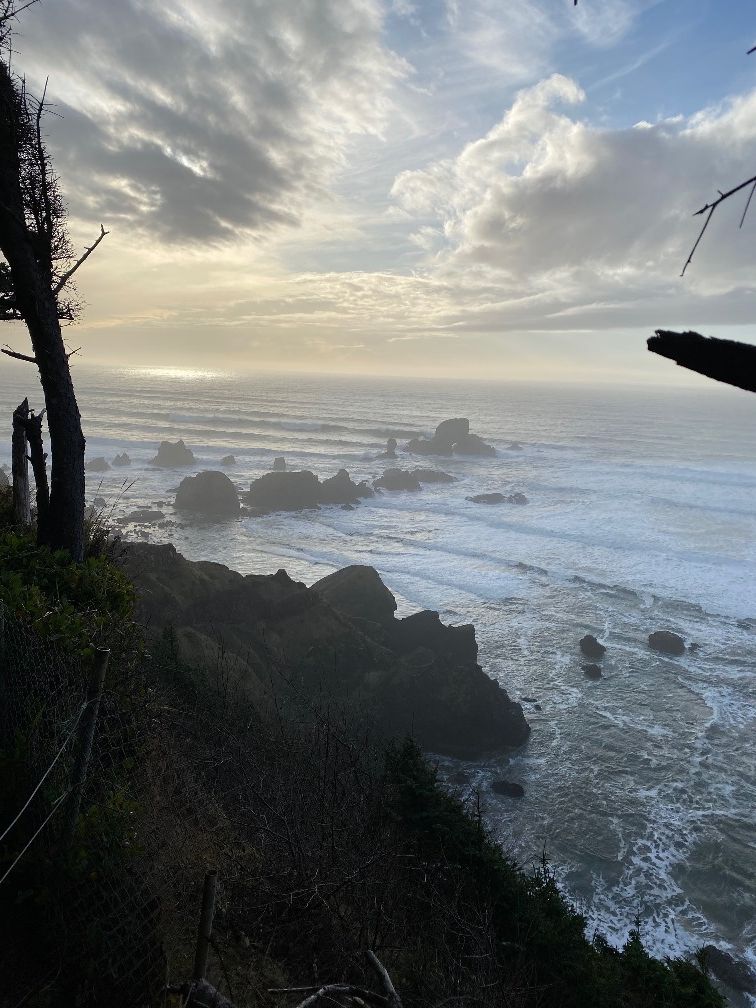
x=592, y=225
x=197, y=122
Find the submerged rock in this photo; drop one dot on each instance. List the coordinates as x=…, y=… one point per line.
x=97, y=464
x=592, y=648
x=499, y=498
x=144, y=515
x=172, y=455
x=433, y=476
x=508, y=788
x=666, y=642
x=279, y=464
x=122, y=460
x=592, y=671
x=209, y=493
x=228, y=460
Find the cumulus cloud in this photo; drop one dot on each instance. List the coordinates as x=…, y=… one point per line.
x=595, y=223
x=196, y=121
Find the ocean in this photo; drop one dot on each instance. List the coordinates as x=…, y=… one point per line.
x=641, y=516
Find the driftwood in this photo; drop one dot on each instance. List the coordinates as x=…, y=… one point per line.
x=724, y=360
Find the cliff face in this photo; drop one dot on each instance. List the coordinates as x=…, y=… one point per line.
x=340, y=638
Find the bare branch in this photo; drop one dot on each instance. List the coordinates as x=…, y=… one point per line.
x=18, y=356
x=392, y=998
x=709, y=209
x=87, y=253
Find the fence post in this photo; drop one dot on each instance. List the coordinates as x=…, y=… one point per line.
x=205, y=929
x=20, y=466
x=84, y=738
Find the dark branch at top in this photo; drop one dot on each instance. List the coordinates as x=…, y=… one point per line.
x=724, y=360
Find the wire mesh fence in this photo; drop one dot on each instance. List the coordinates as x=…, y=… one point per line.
x=98, y=902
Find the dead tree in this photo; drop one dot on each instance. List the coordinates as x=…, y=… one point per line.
x=35, y=286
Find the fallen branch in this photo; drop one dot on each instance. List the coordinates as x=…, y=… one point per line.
x=392, y=998
x=723, y=360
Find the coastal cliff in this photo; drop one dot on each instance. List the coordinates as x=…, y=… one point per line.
x=338, y=638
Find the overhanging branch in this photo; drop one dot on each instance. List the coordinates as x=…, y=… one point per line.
x=723, y=360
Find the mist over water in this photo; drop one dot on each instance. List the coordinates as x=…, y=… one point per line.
x=641, y=516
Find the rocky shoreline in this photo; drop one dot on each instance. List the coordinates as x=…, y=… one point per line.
x=339, y=638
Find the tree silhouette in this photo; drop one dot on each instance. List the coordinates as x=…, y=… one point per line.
x=36, y=284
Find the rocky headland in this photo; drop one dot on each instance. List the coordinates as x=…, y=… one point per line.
x=340, y=638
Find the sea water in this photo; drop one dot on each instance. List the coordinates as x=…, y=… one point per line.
x=641, y=516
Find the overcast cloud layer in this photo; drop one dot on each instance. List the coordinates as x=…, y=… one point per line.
x=400, y=185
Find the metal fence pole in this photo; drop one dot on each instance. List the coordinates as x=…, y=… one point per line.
x=85, y=736
x=205, y=930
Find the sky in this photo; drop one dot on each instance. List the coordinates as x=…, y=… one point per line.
x=475, y=188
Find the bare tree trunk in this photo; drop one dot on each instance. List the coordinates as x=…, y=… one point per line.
x=36, y=302
x=20, y=466
x=38, y=460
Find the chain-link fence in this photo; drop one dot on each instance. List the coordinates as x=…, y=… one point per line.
x=105, y=830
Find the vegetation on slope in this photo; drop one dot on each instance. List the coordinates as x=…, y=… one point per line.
x=326, y=842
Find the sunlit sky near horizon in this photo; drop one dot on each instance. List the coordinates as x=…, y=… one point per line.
x=473, y=188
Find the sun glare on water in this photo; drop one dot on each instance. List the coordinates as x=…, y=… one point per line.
x=177, y=373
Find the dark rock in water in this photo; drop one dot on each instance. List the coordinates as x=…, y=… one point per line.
x=209, y=493
x=143, y=515
x=415, y=676
x=498, y=498
x=528, y=699
x=694, y=646
x=97, y=465
x=538, y=707
x=487, y=498
x=122, y=460
x=452, y=437
x=397, y=479
x=735, y=973
x=390, y=449
x=471, y=444
x=433, y=476
x=666, y=642
x=284, y=491
x=592, y=671
x=450, y=432
x=508, y=788
x=348, y=507
x=228, y=460
x=592, y=648
x=173, y=454
x=358, y=591
x=340, y=489
x=279, y=464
